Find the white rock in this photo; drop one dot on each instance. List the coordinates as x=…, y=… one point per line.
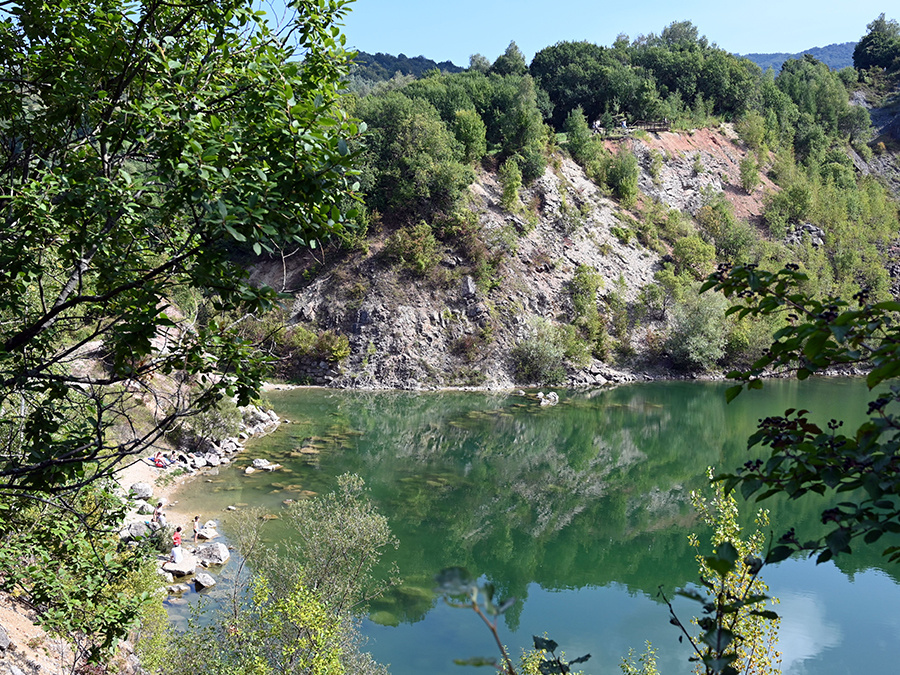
x=141, y=491
x=203, y=580
x=212, y=554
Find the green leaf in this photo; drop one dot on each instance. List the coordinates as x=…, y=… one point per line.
x=237, y=236
x=778, y=554
x=733, y=392
x=544, y=644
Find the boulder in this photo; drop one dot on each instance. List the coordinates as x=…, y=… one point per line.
x=199, y=461
x=141, y=491
x=144, y=508
x=178, y=589
x=203, y=580
x=207, y=533
x=260, y=463
x=4, y=640
x=213, y=459
x=166, y=576
x=212, y=554
x=134, y=530
x=186, y=567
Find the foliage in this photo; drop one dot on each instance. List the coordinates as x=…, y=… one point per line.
x=379, y=67
x=622, y=177
x=880, y=46
x=583, y=288
x=694, y=256
x=300, y=614
x=510, y=62
x=739, y=634
x=510, y=177
x=469, y=130
x=415, y=248
x=804, y=458
x=749, y=173
x=415, y=163
x=459, y=589
x=143, y=146
x=540, y=358
x=644, y=665
x=698, y=332
x=215, y=424
x=340, y=537
x=66, y=564
x=756, y=631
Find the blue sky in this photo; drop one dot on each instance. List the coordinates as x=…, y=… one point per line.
x=455, y=29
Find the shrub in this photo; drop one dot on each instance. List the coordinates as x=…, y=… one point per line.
x=510, y=177
x=622, y=177
x=332, y=346
x=540, y=358
x=698, y=332
x=583, y=289
x=694, y=255
x=415, y=248
x=749, y=173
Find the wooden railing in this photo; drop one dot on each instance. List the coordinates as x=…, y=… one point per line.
x=643, y=125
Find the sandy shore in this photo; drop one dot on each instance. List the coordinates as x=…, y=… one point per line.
x=141, y=472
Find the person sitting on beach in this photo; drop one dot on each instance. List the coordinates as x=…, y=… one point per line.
x=159, y=460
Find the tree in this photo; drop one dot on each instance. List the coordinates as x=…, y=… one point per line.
x=857, y=472
x=300, y=614
x=510, y=62
x=879, y=46
x=142, y=147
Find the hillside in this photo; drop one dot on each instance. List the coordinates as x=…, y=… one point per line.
x=447, y=330
x=835, y=56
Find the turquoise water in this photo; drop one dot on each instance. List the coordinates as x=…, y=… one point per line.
x=580, y=511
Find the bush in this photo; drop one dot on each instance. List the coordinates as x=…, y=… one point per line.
x=415, y=248
x=221, y=421
x=698, y=332
x=749, y=173
x=583, y=289
x=622, y=177
x=540, y=358
x=510, y=177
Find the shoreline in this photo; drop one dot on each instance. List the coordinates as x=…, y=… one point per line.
x=140, y=471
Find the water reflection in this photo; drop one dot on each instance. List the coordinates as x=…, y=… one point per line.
x=580, y=510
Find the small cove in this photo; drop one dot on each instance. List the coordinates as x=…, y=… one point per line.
x=578, y=510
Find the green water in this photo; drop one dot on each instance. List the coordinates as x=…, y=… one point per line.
x=579, y=510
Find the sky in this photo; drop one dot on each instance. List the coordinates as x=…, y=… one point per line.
x=455, y=29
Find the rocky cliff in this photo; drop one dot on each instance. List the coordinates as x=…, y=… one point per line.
x=446, y=329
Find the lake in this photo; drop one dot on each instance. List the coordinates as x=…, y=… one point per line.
x=579, y=510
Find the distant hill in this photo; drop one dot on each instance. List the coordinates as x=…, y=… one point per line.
x=834, y=56
x=378, y=67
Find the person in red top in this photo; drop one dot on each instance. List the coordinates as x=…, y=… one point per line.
x=176, y=546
